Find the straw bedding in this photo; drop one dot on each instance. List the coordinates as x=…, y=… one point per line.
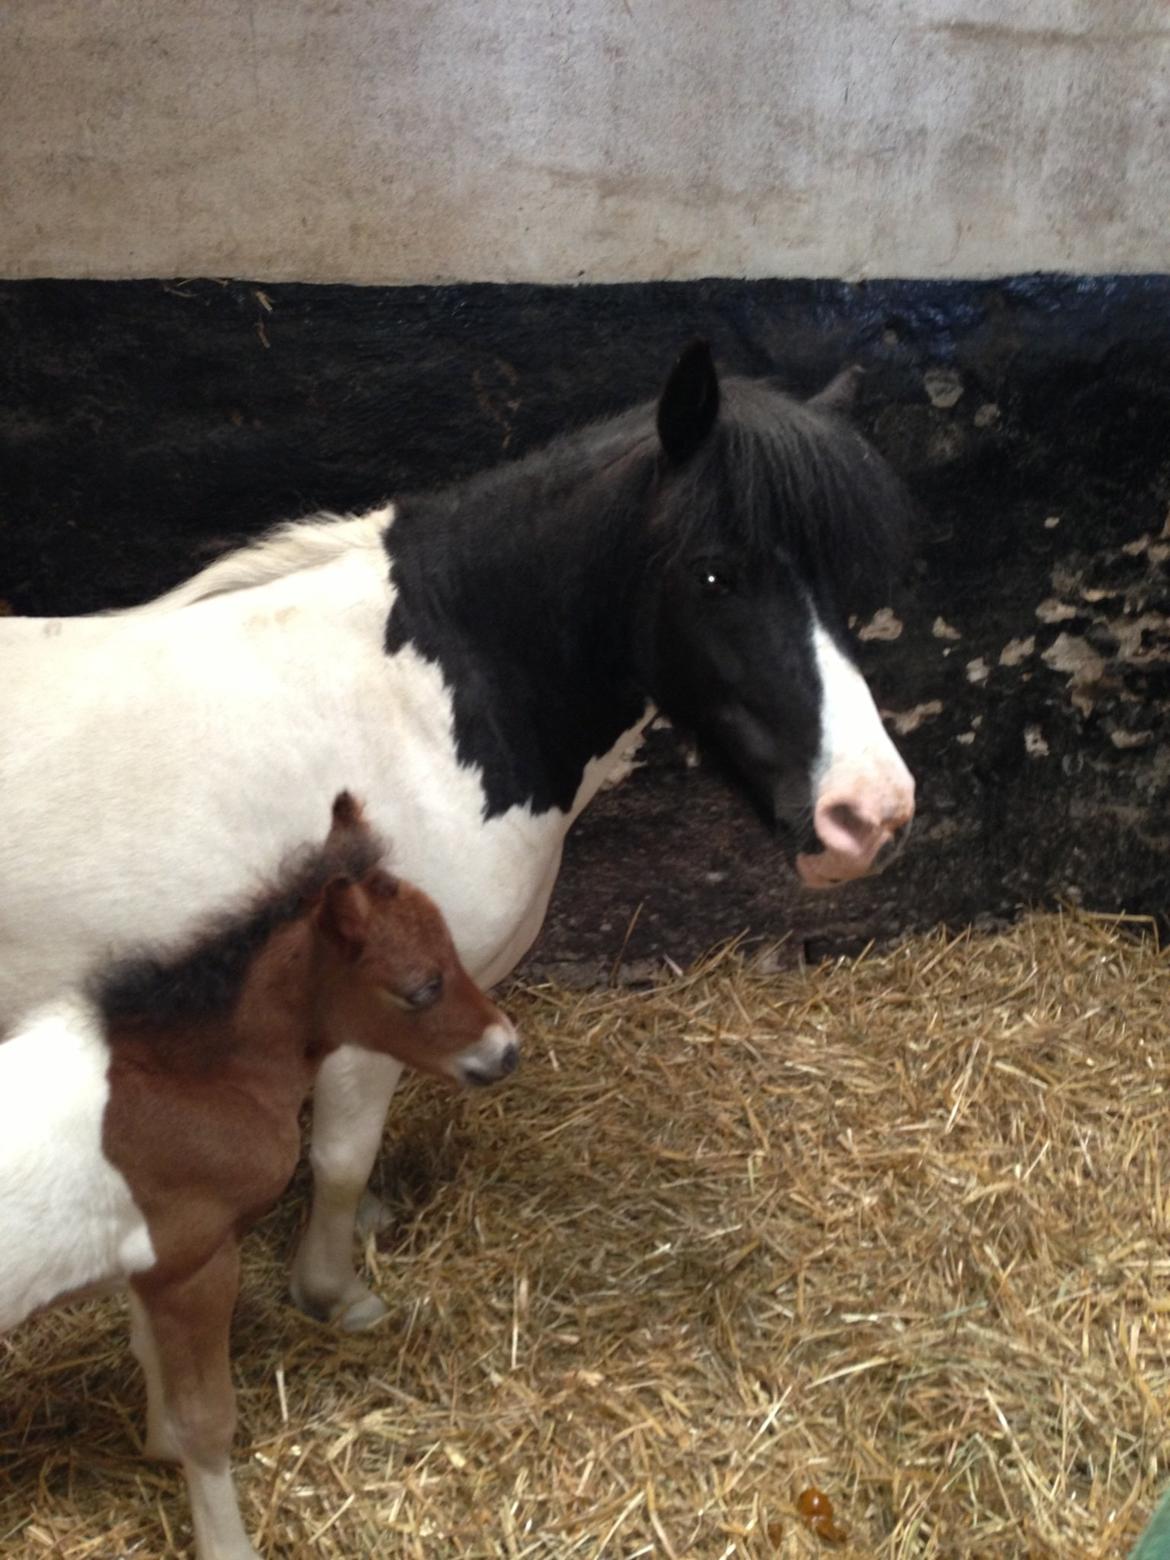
x=895, y=1229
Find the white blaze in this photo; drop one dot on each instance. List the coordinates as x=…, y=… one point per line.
x=862, y=790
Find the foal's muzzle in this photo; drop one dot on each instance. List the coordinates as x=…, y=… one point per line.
x=495, y=1056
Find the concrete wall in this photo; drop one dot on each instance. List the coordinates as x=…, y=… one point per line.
x=437, y=140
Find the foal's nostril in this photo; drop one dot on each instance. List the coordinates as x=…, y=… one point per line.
x=509, y=1060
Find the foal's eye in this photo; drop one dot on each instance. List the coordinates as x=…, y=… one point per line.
x=426, y=995
x=712, y=581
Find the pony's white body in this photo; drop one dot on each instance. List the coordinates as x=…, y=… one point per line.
x=153, y=741
x=53, y=1095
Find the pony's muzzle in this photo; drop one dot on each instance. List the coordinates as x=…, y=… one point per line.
x=856, y=841
x=494, y=1056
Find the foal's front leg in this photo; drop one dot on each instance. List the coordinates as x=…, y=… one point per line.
x=182, y=1333
x=350, y=1100
x=160, y=1442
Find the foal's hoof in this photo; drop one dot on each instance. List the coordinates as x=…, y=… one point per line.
x=373, y=1216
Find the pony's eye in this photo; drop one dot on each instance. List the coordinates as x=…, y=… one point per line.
x=712, y=581
x=426, y=995
x=417, y=998
x=392, y=999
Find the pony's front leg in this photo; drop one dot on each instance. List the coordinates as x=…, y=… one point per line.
x=350, y=1100
x=182, y=1337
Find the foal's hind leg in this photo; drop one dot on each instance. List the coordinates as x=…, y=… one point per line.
x=350, y=1100
x=184, y=1337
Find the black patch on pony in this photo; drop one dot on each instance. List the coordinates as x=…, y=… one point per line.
x=521, y=584
x=530, y=585
x=205, y=980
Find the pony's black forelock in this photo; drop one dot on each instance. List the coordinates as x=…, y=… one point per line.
x=203, y=980
x=775, y=475
x=779, y=476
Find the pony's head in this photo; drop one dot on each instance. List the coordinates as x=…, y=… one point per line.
x=774, y=523
x=392, y=980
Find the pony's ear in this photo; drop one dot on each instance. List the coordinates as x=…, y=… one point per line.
x=689, y=403
x=344, y=914
x=347, y=812
x=841, y=391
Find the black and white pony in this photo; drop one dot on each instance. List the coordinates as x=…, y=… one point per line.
x=474, y=663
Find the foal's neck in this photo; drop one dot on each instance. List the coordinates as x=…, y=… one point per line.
x=524, y=586
x=272, y=1032
x=276, y=1023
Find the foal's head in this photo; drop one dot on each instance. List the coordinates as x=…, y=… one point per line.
x=391, y=980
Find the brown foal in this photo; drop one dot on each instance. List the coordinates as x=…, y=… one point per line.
x=185, y=1086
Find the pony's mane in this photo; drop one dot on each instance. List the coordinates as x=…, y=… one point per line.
x=203, y=981
x=775, y=473
x=793, y=475
x=786, y=473
x=287, y=549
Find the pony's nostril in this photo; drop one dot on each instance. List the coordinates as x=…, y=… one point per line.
x=509, y=1060
x=840, y=826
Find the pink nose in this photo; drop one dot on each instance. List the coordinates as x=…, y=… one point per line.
x=854, y=828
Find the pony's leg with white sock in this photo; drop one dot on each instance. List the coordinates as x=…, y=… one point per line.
x=350, y=1100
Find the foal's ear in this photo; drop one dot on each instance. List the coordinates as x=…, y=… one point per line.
x=841, y=391
x=689, y=403
x=347, y=811
x=345, y=914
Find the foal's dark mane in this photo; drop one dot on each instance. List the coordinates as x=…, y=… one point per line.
x=203, y=981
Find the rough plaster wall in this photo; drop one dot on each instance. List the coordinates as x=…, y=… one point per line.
x=401, y=140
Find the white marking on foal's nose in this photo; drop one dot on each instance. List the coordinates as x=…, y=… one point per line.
x=494, y=1055
x=863, y=794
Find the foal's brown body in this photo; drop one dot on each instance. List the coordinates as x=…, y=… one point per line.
x=204, y=1126
x=203, y=1123
x=207, y=1072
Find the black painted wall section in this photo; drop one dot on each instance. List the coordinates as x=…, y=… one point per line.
x=1027, y=662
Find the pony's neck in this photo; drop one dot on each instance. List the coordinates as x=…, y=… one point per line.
x=272, y=1038
x=524, y=587
x=276, y=1023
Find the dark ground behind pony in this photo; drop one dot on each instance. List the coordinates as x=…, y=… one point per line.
x=143, y=425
